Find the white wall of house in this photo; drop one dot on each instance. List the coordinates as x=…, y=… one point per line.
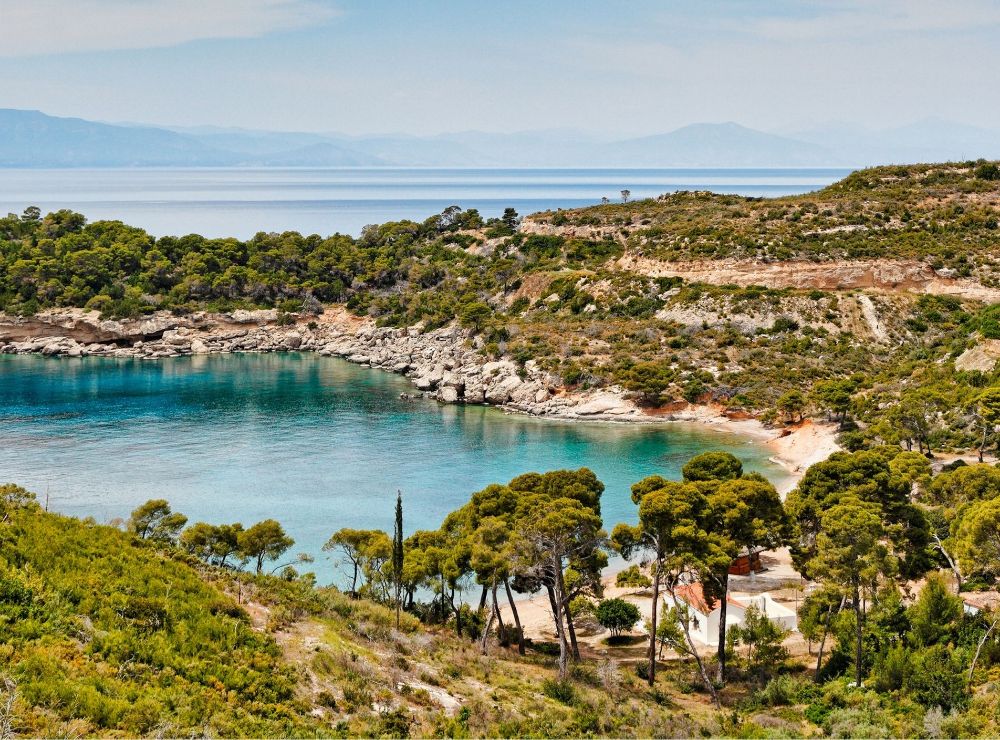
x=780, y=614
x=705, y=627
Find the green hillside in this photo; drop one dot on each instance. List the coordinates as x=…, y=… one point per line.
x=946, y=213
x=108, y=635
x=105, y=634
x=873, y=300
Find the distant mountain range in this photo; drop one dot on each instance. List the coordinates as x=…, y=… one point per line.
x=34, y=139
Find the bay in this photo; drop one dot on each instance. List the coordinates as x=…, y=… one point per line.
x=316, y=443
x=217, y=202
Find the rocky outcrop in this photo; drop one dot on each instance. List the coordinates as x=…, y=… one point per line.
x=87, y=327
x=983, y=356
x=444, y=364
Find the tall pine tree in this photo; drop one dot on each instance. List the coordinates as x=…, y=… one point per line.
x=397, y=554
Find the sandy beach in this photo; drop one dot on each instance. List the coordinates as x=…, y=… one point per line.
x=779, y=579
x=794, y=447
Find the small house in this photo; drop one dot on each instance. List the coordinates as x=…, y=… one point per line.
x=704, y=620
x=974, y=602
x=744, y=565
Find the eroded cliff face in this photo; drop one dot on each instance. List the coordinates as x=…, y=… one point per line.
x=904, y=276
x=87, y=327
x=882, y=275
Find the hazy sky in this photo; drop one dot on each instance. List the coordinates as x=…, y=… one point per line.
x=427, y=66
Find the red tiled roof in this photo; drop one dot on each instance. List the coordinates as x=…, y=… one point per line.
x=981, y=599
x=693, y=595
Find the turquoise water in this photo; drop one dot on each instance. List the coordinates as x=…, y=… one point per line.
x=314, y=442
x=240, y=202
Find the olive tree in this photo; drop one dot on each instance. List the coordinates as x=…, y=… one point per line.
x=617, y=615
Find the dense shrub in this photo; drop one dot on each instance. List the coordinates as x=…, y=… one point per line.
x=79, y=600
x=617, y=615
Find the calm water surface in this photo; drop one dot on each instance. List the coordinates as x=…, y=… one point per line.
x=314, y=442
x=241, y=202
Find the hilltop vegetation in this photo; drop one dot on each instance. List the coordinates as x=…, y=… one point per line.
x=946, y=214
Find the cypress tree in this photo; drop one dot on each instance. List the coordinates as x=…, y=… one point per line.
x=397, y=554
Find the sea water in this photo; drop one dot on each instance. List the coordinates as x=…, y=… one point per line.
x=314, y=442
x=219, y=202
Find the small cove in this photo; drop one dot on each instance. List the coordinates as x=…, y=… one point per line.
x=316, y=443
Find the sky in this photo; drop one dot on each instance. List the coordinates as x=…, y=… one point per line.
x=431, y=66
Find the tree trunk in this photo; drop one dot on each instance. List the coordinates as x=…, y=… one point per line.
x=722, y=623
x=482, y=599
x=486, y=632
x=501, y=630
x=552, y=599
x=354, y=583
x=569, y=616
x=979, y=647
x=574, y=647
x=951, y=562
x=517, y=618
x=822, y=643
x=556, y=610
x=651, y=673
x=557, y=601
x=858, y=630
x=685, y=623
x=458, y=612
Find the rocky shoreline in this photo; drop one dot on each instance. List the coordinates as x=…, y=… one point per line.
x=443, y=364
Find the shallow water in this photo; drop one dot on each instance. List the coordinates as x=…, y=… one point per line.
x=240, y=202
x=314, y=442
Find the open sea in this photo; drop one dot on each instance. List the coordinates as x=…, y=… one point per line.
x=241, y=202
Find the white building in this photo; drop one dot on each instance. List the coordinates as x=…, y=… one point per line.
x=704, y=621
x=974, y=602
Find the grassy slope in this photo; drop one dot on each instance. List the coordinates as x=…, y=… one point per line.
x=106, y=635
